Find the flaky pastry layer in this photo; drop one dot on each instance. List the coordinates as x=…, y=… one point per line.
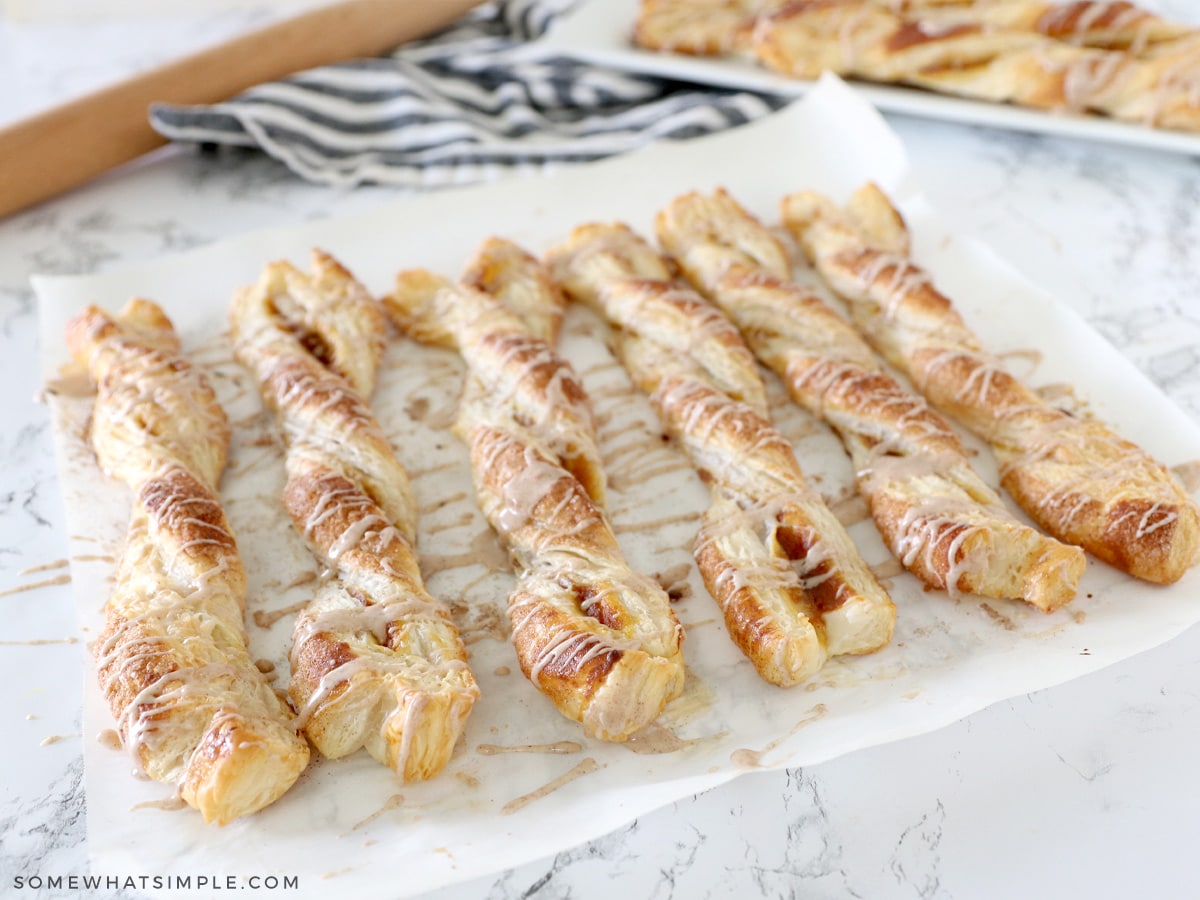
x=599, y=640
x=376, y=661
x=172, y=658
x=1111, y=58
x=1075, y=477
x=940, y=520
x=791, y=585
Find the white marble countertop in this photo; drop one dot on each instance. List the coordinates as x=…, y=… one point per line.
x=1087, y=789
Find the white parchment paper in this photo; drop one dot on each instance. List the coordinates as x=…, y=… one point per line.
x=347, y=825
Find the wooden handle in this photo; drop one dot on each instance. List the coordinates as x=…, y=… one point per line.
x=69, y=144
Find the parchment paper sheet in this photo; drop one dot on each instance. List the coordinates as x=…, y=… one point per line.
x=348, y=825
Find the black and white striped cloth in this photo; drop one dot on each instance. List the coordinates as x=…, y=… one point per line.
x=467, y=105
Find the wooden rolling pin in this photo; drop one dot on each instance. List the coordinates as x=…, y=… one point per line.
x=66, y=145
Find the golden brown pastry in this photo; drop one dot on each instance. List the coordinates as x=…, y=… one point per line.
x=376, y=661
x=790, y=582
x=521, y=284
x=1159, y=90
x=172, y=659
x=1075, y=477
x=598, y=639
x=699, y=27
x=940, y=520
x=1108, y=58
x=1087, y=23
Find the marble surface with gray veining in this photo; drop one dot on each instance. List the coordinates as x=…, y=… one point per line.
x=1086, y=789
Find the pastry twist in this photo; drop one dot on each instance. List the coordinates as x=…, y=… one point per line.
x=721, y=27
x=1113, y=24
x=376, y=661
x=526, y=290
x=699, y=27
x=172, y=658
x=1110, y=58
x=937, y=516
x=598, y=639
x=1076, y=478
x=790, y=583
x=971, y=57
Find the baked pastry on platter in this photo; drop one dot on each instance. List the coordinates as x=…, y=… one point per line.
x=1075, y=477
x=791, y=584
x=172, y=660
x=598, y=639
x=376, y=661
x=1108, y=58
x=940, y=520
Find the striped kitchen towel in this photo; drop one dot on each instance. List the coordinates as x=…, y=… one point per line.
x=464, y=106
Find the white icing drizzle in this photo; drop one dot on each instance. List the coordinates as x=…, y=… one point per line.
x=680, y=333
x=904, y=279
x=1181, y=80
x=525, y=415
x=1088, y=466
x=1124, y=470
x=1090, y=18
x=703, y=418
x=528, y=486
x=408, y=669
x=770, y=567
x=133, y=409
x=580, y=647
x=371, y=618
x=329, y=503
x=563, y=425
x=903, y=452
x=980, y=382
x=1087, y=77
x=147, y=721
x=1148, y=526
x=757, y=485
x=158, y=427
x=336, y=446
x=846, y=33
x=356, y=532
x=925, y=527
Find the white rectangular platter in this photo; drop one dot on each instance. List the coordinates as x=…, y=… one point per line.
x=599, y=31
x=347, y=824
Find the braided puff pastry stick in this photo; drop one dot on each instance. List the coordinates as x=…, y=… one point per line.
x=1113, y=24
x=598, y=639
x=172, y=659
x=699, y=27
x=376, y=661
x=722, y=27
x=727, y=27
x=937, y=516
x=1076, y=478
x=790, y=583
x=973, y=58
x=524, y=287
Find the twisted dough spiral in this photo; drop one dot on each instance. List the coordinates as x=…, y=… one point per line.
x=172, y=659
x=715, y=27
x=937, y=516
x=1110, y=58
x=1076, y=478
x=376, y=661
x=598, y=639
x=699, y=27
x=791, y=584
